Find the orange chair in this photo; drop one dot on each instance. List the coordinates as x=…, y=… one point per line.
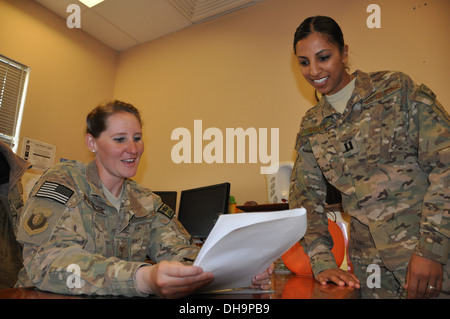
x=297, y=261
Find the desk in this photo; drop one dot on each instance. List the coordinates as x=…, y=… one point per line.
x=290, y=286
x=284, y=285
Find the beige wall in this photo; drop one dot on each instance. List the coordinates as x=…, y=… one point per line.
x=239, y=71
x=234, y=71
x=70, y=73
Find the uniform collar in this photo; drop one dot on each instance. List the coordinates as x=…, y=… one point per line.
x=364, y=86
x=363, y=89
x=129, y=200
x=94, y=179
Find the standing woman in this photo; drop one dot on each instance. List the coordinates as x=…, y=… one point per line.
x=384, y=143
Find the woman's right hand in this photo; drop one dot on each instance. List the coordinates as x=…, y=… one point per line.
x=338, y=276
x=171, y=279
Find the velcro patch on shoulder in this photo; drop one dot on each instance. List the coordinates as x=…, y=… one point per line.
x=37, y=222
x=166, y=211
x=55, y=191
x=382, y=94
x=424, y=89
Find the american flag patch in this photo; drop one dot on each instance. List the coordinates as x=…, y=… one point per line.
x=55, y=191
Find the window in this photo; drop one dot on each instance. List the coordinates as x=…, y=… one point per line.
x=13, y=87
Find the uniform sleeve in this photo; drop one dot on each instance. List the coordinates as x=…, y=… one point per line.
x=430, y=133
x=169, y=239
x=15, y=197
x=308, y=190
x=54, y=239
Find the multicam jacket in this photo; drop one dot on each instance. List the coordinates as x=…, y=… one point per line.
x=69, y=228
x=12, y=168
x=388, y=154
x=13, y=189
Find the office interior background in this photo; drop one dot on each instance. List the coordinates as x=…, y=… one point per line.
x=236, y=70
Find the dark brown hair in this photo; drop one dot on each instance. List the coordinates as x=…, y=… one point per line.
x=96, y=119
x=320, y=24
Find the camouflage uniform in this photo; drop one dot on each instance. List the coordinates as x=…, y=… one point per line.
x=68, y=225
x=388, y=154
x=12, y=168
x=13, y=189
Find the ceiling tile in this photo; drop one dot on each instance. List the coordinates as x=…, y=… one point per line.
x=106, y=32
x=143, y=20
x=122, y=24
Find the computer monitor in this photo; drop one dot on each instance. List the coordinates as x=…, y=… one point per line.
x=169, y=198
x=201, y=207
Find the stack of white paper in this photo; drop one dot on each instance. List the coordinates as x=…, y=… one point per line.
x=245, y=244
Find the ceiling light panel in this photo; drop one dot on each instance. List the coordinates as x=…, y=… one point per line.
x=90, y=3
x=200, y=10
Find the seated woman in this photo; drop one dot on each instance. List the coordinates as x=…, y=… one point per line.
x=87, y=228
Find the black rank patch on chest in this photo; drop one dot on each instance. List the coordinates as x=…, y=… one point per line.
x=349, y=147
x=166, y=210
x=55, y=191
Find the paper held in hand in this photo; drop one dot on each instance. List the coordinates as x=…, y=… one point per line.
x=245, y=244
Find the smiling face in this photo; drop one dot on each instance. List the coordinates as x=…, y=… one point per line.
x=118, y=149
x=322, y=63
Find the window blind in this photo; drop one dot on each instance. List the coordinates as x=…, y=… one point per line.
x=13, y=84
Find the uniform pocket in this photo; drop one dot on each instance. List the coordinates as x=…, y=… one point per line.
x=133, y=241
x=326, y=155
